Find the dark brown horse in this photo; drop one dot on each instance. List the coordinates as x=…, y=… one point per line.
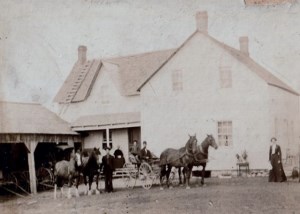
x=201, y=156
x=178, y=158
x=88, y=165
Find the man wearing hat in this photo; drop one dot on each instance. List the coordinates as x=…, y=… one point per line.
x=108, y=167
x=145, y=153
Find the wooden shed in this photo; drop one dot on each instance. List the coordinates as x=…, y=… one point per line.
x=31, y=124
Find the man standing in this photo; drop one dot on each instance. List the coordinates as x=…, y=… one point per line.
x=145, y=153
x=108, y=168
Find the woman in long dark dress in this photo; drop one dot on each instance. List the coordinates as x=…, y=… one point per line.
x=277, y=173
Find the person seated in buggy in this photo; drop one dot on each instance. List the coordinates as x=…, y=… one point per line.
x=134, y=153
x=145, y=154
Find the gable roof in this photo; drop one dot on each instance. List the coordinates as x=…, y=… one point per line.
x=267, y=76
x=30, y=118
x=131, y=72
x=134, y=70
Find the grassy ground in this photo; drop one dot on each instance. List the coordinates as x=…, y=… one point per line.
x=235, y=195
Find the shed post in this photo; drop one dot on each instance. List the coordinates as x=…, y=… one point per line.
x=31, y=165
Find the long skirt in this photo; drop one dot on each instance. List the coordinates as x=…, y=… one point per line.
x=277, y=173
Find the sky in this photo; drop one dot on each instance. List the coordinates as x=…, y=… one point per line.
x=39, y=38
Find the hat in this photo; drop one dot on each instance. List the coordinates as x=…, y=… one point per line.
x=144, y=142
x=273, y=138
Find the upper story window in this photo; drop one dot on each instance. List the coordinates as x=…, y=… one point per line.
x=225, y=133
x=104, y=94
x=225, y=77
x=177, y=84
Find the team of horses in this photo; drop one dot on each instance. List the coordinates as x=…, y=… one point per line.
x=87, y=164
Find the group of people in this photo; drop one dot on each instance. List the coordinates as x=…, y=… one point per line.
x=109, y=161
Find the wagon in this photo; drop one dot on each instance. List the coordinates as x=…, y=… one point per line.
x=8, y=182
x=44, y=179
x=147, y=173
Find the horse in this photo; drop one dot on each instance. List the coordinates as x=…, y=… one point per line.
x=201, y=155
x=178, y=158
x=88, y=164
x=65, y=171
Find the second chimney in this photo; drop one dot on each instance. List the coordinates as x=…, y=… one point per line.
x=202, y=21
x=244, y=45
x=82, y=54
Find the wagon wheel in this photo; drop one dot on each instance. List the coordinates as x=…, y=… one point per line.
x=25, y=181
x=45, y=178
x=146, y=175
x=129, y=175
x=12, y=181
x=173, y=179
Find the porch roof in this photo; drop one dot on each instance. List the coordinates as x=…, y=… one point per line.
x=104, y=121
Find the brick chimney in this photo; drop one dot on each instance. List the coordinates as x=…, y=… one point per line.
x=244, y=45
x=202, y=21
x=82, y=54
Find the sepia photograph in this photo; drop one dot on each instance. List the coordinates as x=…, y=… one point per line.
x=149, y=106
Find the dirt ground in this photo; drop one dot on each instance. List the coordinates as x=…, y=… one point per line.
x=235, y=195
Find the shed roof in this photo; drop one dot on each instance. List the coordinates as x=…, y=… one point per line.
x=31, y=118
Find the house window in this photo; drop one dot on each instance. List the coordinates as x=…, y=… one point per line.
x=177, y=84
x=104, y=95
x=225, y=133
x=225, y=76
x=104, y=142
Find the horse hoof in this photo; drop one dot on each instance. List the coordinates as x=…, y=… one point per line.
x=188, y=187
x=97, y=192
x=89, y=193
x=161, y=188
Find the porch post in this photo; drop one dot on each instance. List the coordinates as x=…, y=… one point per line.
x=31, y=145
x=107, y=137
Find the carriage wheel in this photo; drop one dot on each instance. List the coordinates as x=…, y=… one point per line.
x=45, y=179
x=129, y=175
x=146, y=175
x=131, y=169
x=12, y=181
x=173, y=179
x=25, y=181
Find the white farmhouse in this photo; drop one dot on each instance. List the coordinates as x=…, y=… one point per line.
x=207, y=87
x=202, y=87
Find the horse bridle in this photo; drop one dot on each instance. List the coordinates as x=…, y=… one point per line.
x=188, y=153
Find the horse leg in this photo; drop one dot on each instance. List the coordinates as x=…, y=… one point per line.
x=69, y=187
x=77, y=184
x=55, y=187
x=162, y=174
x=90, y=184
x=184, y=175
x=85, y=184
x=97, y=182
x=203, y=173
x=179, y=175
x=188, y=175
x=168, y=175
